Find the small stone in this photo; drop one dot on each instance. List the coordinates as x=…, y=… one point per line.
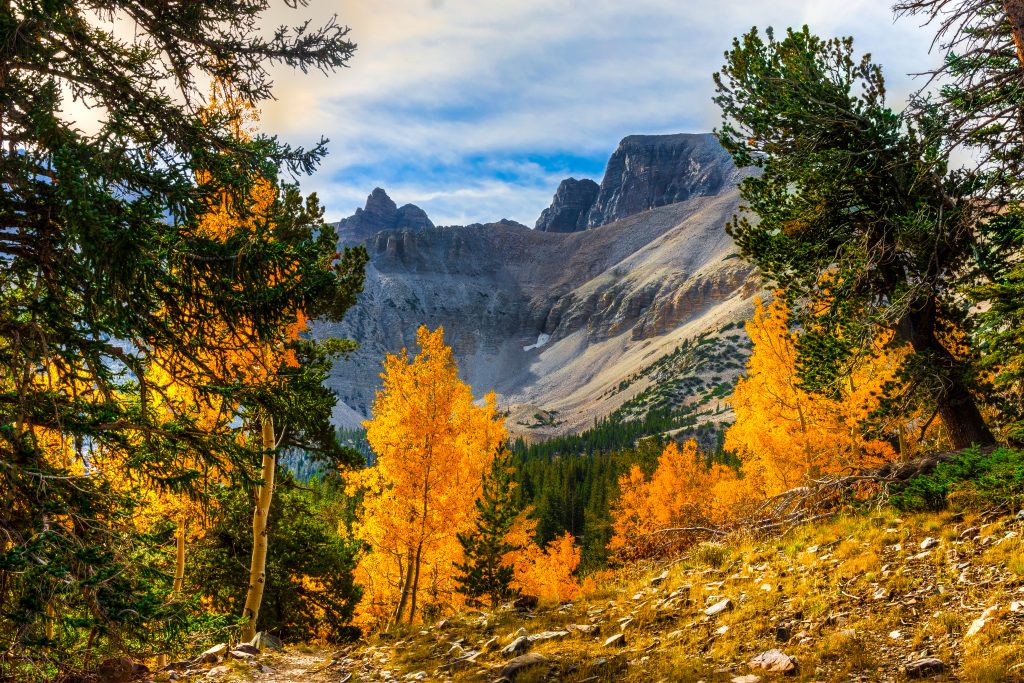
x=978, y=625
x=547, y=635
x=923, y=668
x=929, y=542
x=895, y=635
x=719, y=607
x=722, y=630
x=265, y=641
x=118, y=670
x=525, y=603
x=516, y=666
x=242, y=656
x=589, y=629
x=766, y=587
x=245, y=647
x=625, y=623
x=971, y=532
x=618, y=640
x=659, y=579
x=521, y=632
x=775, y=661
x=444, y=623
x=490, y=644
x=218, y=671
x=748, y=678
x=782, y=634
x=517, y=646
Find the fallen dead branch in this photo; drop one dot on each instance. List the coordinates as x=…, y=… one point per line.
x=819, y=499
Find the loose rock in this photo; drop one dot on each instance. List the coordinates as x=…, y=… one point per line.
x=517, y=646
x=719, y=607
x=516, y=666
x=775, y=661
x=618, y=640
x=923, y=668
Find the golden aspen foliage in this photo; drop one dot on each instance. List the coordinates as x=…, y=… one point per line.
x=433, y=443
x=545, y=572
x=683, y=492
x=784, y=434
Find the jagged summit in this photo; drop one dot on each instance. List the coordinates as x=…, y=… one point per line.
x=644, y=172
x=381, y=213
x=570, y=206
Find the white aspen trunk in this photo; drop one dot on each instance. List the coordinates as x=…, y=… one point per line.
x=179, y=557
x=258, y=566
x=179, y=572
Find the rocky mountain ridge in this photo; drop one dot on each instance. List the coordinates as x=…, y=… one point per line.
x=552, y=318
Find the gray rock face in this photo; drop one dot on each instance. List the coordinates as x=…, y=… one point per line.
x=647, y=171
x=570, y=206
x=380, y=213
x=549, y=320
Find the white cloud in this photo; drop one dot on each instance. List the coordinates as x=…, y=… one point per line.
x=468, y=108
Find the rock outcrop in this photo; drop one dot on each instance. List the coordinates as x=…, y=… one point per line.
x=644, y=172
x=647, y=171
x=570, y=207
x=381, y=213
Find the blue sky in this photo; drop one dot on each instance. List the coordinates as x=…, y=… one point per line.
x=475, y=110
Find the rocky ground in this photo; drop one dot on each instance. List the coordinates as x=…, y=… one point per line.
x=866, y=597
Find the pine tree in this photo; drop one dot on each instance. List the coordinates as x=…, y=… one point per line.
x=105, y=266
x=483, y=573
x=981, y=101
x=858, y=216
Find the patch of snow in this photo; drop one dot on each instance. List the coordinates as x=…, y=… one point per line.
x=542, y=339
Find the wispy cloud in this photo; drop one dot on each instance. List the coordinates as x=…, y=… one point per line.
x=476, y=110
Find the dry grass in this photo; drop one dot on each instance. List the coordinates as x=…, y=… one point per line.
x=851, y=598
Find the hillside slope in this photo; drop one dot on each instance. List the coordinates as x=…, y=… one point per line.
x=865, y=597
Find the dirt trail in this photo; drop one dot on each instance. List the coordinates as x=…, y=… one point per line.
x=300, y=666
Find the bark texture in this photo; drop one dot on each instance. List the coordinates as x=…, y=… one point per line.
x=260, y=516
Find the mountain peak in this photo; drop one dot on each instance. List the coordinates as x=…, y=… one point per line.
x=644, y=172
x=569, y=207
x=379, y=214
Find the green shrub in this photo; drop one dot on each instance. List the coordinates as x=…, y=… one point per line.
x=973, y=479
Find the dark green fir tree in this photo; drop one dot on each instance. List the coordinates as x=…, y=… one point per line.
x=484, y=575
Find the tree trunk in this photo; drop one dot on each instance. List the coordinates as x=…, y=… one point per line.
x=404, y=596
x=179, y=572
x=415, y=581
x=179, y=557
x=956, y=407
x=1015, y=14
x=258, y=566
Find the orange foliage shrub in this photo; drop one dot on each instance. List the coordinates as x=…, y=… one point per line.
x=683, y=492
x=545, y=572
